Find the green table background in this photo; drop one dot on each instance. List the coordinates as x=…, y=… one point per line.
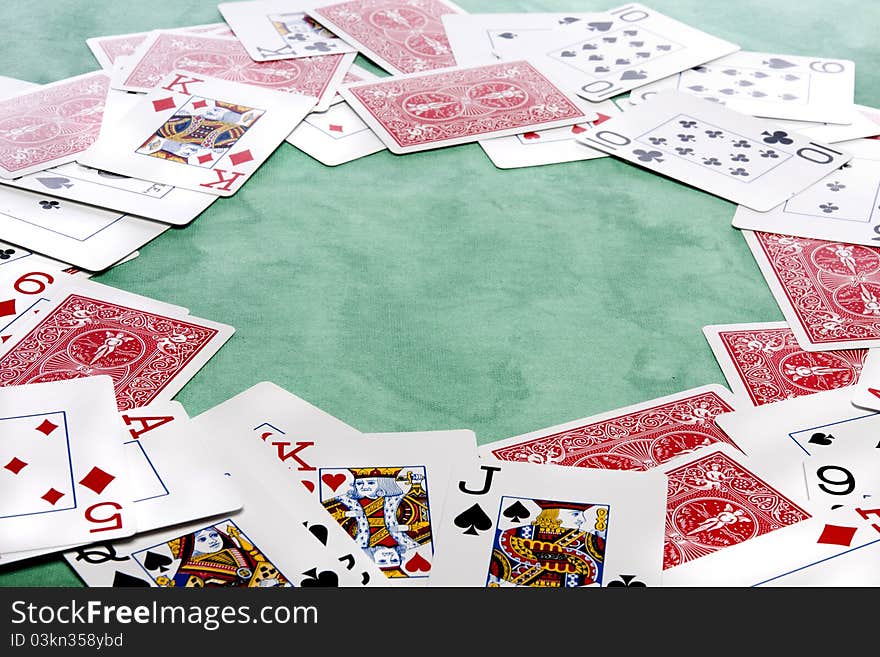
x=432, y=290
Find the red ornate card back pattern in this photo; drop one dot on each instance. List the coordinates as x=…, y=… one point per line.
x=639, y=440
x=714, y=503
x=772, y=366
x=141, y=351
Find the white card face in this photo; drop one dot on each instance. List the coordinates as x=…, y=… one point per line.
x=11, y=253
x=547, y=146
x=14, y=86
x=152, y=141
x=842, y=206
x=507, y=524
x=737, y=157
x=623, y=49
x=83, y=235
x=864, y=124
x=483, y=38
x=26, y=290
x=847, y=474
x=335, y=136
x=280, y=29
x=65, y=477
x=866, y=393
x=777, y=437
x=174, y=476
x=771, y=86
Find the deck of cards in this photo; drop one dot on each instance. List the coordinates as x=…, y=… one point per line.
x=772, y=482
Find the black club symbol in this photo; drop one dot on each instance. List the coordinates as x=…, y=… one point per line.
x=712, y=162
x=685, y=137
x=657, y=140
x=50, y=205
x=6, y=254
x=739, y=171
x=769, y=153
x=828, y=208
x=296, y=37
x=739, y=157
x=777, y=137
x=684, y=151
x=687, y=124
x=627, y=581
x=648, y=156
x=319, y=46
x=741, y=143
x=713, y=134
x=835, y=186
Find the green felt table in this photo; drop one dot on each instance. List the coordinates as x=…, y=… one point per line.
x=432, y=290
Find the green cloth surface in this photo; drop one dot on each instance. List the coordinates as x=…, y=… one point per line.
x=434, y=291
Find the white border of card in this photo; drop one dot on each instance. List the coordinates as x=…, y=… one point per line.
x=826, y=93
x=312, y=138
x=117, y=150
x=635, y=517
x=791, y=162
x=815, y=212
x=94, y=43
x=250, y=21
x=866, y=391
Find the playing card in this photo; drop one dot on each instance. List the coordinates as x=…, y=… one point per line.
x=280, y=29
x=149, y=349
x=847, y=474
x=763, y=363
x=354, y=74
x=826, y=290
x=769, y=85
x=484, y=38
x=620, y=50
x=455, y=106
x=737, y=157
x=866, y=393
x=83, y=235
x=638, y=437
x=335, y=136
x=522, y=524
x=13, y=86
x=26, y=290
x=225, y=58
x=777, y=437
x=108, y=49
x=401, y=36
x=50, y=125
x=11, y=254
x=841, y=206
x=536, y=148
x=64, y=471
x=199, y=133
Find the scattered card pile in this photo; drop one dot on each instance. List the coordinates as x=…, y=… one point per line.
x=771, y=485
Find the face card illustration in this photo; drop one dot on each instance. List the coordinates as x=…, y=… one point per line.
x=737, y=157
x=456, y=106
x=484, y=38
x=764, y=363
x=63, y=469
x=226, y=59
x=843, y=206
x=772, y=86
x=335, y=136
x=401, y=36
x=386, y=511
x=522, y=524
x=199, y=133
x=551, y=146
x=638, y=437
x=715, y=502
x=50, y=125
x=623, y=49
x=829, y=292
x=148, y=353
x=777, y=437
x=280, y=29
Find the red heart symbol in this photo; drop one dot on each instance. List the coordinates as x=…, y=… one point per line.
x=417, y=564
x=265, y=435
x=531, y=135
x=576, y=129
x=334, y=481
x=600, y=118
x=310, y=486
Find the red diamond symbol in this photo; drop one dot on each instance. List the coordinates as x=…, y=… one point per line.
x=600, y=118
x=199, y=104
x=7, y=308
x=243, y=156
x=531, y=135
x=836, y=535
x=16, y=465
x=47, y=427
x=205, y=158
x=163, y=104
x=4, y=338
x=576, y=129
x=52, y=496
x=97, y=480
x=335, y=127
